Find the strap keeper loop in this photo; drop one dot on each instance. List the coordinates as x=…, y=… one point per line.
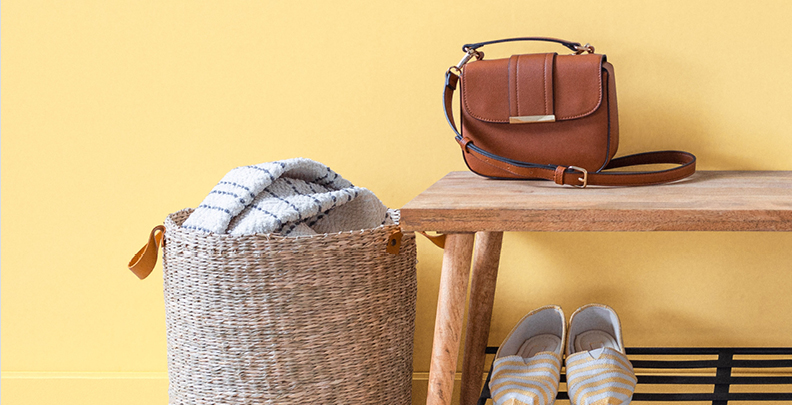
x=465, y=142
x=452, y=77
x=558, y=176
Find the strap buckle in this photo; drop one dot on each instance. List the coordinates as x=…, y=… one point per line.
x=583, y=179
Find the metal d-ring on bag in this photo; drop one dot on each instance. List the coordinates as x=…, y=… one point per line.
x=547, y=116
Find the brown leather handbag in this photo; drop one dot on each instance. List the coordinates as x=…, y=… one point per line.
x=547, y=116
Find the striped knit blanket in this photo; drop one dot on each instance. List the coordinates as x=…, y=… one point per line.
x=289, y=197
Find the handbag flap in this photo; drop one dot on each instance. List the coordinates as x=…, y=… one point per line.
x=566, y=86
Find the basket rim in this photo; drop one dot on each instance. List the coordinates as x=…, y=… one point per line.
x=172, y=225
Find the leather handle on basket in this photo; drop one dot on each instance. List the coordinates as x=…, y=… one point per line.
x=145, y=259
x=394, y=242
x=438, y=240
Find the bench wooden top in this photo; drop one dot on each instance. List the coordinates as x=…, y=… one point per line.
x=706, y=201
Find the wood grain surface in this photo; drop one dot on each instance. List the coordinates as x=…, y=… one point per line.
x=486, y=259
x=706, y=201
x=448, y=323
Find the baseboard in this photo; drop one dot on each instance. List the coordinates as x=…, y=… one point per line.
x=84, y=388
x=98, y=375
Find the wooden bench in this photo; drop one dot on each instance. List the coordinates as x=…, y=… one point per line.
x=464, y=207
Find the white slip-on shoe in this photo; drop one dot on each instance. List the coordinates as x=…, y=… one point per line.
x=597, y=369
x=527, y=366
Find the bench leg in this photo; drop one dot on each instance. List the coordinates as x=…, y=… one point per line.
x=482, y=295
x=448, y=323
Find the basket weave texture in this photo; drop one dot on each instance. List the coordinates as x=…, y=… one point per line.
x=262, y=319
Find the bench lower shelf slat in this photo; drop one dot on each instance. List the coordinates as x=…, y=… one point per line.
x=652, y=370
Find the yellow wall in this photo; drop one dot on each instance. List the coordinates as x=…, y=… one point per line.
x=116, y=113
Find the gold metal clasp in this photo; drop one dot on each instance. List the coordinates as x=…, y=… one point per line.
x=468, y=56
x=529, y=119
x=583, y=179
x=585, y=48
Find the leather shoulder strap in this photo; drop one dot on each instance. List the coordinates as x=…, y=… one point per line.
x=571, y=175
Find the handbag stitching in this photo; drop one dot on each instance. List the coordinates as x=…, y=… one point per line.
x=492, y=165
x=599, y=74
x=517, y=82
x=467, y=107
x=465, y=99
x=544, y=81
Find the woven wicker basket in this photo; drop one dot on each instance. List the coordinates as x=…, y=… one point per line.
x=325, y=319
